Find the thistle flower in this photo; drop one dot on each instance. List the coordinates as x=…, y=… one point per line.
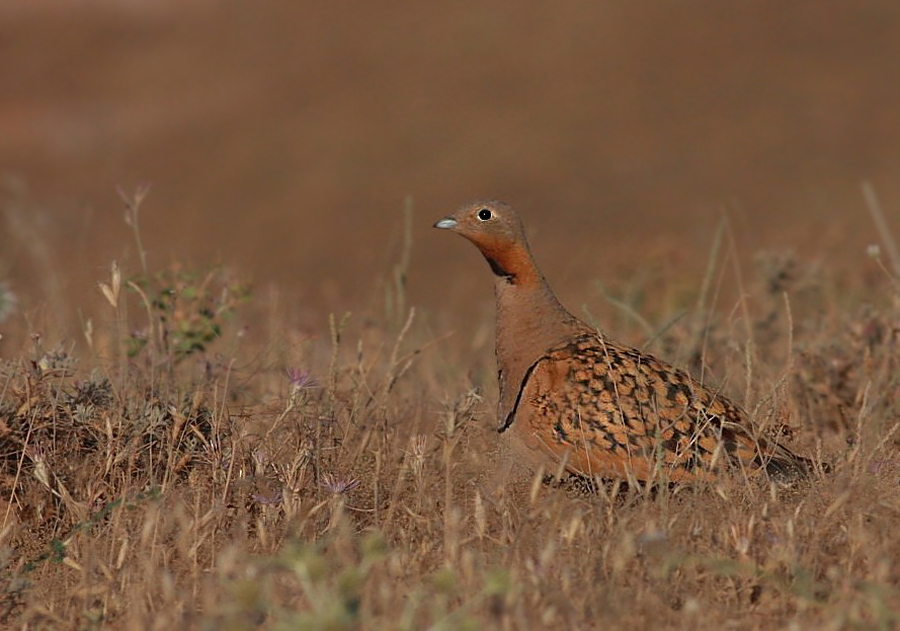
x=336, y=485
x=299, y=379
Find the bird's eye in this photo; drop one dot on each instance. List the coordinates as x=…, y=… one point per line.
x=484, y=214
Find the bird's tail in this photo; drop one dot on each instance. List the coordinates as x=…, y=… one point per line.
x=783, y=465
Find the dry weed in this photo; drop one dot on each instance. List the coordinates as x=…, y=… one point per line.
x=165, y=487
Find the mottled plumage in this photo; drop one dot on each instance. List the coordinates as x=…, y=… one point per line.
x=571, y=396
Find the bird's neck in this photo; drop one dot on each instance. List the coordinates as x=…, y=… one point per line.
x=530, y=321
x=528, y=312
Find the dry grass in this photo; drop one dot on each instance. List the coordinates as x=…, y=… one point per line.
x=182, y=472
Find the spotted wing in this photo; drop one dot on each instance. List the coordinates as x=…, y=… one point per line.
x=612, y=411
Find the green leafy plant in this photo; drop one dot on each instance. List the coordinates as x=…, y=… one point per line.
x=186, y=309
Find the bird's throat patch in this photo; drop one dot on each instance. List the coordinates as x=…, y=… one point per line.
x=499, y=271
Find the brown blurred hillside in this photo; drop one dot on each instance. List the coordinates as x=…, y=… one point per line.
x=284, y=138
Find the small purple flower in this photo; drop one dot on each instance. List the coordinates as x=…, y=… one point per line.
x=336, y=485
x=299, y=379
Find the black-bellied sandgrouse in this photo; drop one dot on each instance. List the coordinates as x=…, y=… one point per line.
x=571, y=396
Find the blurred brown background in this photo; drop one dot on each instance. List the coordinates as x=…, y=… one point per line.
x=283, y=138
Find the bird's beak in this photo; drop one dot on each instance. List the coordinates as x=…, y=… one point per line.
x=446, y=222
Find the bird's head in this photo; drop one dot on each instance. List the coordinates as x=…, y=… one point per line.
x=495, y=229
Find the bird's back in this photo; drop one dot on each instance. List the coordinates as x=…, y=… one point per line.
x=612, y=411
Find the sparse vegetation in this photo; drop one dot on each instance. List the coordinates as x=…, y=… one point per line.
x=167, y=477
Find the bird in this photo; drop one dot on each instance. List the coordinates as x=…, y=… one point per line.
x=573, y=399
